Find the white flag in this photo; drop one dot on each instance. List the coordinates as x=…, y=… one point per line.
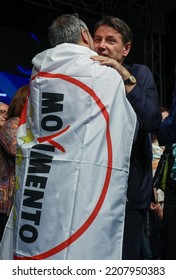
x=74, y=144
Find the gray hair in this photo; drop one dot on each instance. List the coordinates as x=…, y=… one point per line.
x=66, y=29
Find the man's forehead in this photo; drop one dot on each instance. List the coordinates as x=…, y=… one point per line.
x=106, y=31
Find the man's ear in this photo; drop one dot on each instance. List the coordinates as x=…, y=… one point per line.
x=85, y=37
x=126, y=49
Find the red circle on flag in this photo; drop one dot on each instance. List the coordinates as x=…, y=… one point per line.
x=101, y=199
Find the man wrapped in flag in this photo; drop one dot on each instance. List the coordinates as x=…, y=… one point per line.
x=74, y=144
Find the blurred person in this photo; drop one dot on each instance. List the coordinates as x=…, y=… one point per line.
x=154, y=221
x=169, y=210
x=3, y=113
x=167, y=182
x=8, y=137
x=113, y=41
x=74, y=153
x=167, y=136
x=166, y=132
x=157, y=150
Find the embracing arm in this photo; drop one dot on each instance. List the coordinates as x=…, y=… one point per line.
x=143, y=95
x=144, y=99
x=125, y=74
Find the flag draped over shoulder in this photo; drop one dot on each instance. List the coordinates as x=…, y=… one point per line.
x=74, y=144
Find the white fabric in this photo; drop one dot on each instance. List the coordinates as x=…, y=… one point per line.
x=78, y=205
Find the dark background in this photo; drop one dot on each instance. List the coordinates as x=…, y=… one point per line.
x=24, y=33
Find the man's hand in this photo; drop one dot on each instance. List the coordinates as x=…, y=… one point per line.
x=104, y=60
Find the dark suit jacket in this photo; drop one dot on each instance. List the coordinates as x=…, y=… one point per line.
x=144, y=99
x=167, y=128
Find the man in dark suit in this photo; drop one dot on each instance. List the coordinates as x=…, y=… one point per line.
x=113, y=39
x=167, y=129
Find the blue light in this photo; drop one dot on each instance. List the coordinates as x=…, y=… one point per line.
x=24, y=70
x=9, y=83
x=34, y=37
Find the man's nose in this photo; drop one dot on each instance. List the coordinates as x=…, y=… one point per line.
x=100, y=46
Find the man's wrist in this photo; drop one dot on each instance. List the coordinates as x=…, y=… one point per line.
x=131, y=80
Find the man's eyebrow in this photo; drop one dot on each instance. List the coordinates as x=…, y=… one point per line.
x=109, y=36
